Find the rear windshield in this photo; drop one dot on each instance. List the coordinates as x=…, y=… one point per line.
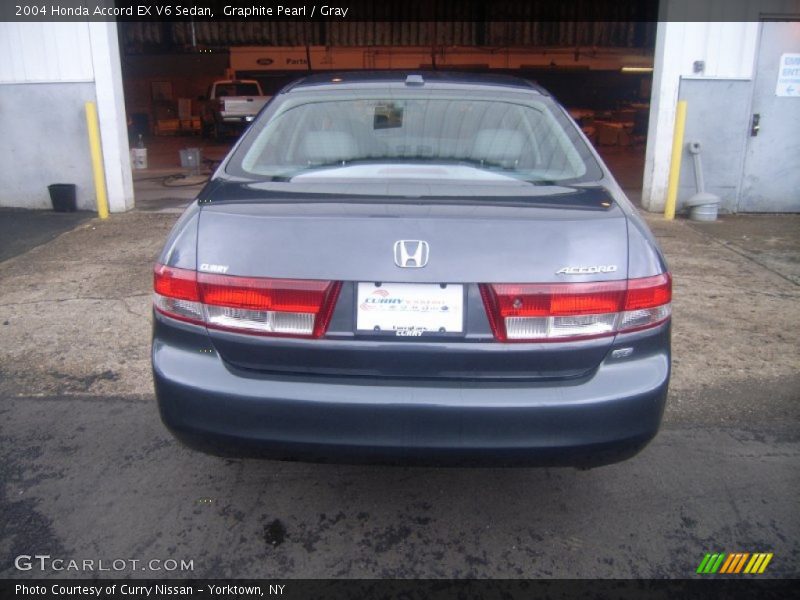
x=236, y=89
x=434, y=135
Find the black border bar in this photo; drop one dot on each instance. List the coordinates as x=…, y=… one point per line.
x=531, y=11
x=730, y=588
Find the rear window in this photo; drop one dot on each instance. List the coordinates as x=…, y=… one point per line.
x=467, y=135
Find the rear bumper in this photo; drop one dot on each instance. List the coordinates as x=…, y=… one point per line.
x=600, y=419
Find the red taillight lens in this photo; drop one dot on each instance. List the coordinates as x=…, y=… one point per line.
x=546, y=299
x=649, y=292
x=556, y=311
x=176, y=294
x=262, y=306
x=289, y=295
x=176, y=283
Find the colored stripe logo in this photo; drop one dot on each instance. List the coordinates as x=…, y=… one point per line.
x=734, y=563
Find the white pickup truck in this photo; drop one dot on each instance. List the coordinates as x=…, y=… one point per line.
x=231, y=105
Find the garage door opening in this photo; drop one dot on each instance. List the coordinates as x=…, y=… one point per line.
x=601, y=71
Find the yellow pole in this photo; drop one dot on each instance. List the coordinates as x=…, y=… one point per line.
x=675, y=161
x=97, y=160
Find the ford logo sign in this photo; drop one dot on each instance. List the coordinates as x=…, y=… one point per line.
x=265, y=61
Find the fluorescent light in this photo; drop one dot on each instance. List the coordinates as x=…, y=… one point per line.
x=637, y=69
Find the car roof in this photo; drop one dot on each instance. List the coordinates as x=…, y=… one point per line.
x=415, y=78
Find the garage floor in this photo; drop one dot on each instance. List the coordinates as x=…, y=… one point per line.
x=88, y=471
x=166, y=187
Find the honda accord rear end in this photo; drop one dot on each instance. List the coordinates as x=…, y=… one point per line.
x=413, y=268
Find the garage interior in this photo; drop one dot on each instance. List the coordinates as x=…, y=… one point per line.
x=93, y=473
x=600, y=71
x=621, y=71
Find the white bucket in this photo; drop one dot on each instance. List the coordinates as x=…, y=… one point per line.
x=139, y=158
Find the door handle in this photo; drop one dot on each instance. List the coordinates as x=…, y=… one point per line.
x=754, y=125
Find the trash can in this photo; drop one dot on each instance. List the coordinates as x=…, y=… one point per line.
x=703, y=207
x=62, y=195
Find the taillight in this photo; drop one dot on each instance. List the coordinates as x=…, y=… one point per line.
x=268, y=306
x=293, y=307
x=176, y=294
x=567, y=311
x=647, y=303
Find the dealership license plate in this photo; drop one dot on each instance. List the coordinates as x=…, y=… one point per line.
x=410, y=309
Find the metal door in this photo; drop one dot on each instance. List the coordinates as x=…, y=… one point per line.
x=771, y=178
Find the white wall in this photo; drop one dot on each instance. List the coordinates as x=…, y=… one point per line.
x=44, y=141
x=47, y=72
x=728, y=50
x=45, y=52
x=690, y=31
x=111, y=114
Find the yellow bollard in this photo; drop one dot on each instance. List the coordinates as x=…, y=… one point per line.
x=675, y=161
x=93, y=128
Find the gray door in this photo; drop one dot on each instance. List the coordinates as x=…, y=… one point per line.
x=771, y=178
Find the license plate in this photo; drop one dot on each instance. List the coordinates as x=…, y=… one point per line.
x=410, y=309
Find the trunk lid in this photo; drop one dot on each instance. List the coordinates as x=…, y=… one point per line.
x=354, y=242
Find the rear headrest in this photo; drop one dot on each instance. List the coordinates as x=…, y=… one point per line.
x=503, y=146
x=329, y=146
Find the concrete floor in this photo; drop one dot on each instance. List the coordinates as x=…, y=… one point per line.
x=768, y=240
x=21, y=230
x=88, y=471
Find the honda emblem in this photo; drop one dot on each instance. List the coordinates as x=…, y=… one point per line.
x=411, y=254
